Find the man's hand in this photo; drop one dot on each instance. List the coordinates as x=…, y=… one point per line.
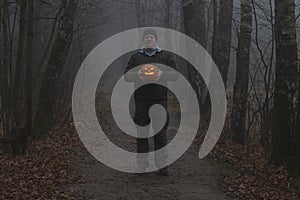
x=131, y=76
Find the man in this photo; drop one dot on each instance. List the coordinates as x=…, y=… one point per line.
x=150, y=94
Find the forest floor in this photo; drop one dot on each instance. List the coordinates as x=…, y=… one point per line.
x=58, y=166
x=190, y=178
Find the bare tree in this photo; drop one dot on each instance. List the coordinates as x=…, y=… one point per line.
x=195, y=26
x=240, y=93
x=260, y=92
x=285, y=82
x=47, y=102
x=29, y=73
x=5, y=70
x=295, y=169
x=222, y=36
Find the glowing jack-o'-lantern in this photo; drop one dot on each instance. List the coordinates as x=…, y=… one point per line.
x=149, y=72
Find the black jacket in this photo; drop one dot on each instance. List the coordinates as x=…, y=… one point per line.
x=150, y=91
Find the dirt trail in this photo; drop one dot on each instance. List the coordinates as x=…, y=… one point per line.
x=190, y=178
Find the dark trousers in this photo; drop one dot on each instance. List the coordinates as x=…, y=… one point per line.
x=142, y=118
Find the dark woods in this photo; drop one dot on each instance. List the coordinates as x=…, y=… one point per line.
x=32, y=49
x=253, y=43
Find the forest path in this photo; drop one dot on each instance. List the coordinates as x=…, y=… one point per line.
x=190, y=177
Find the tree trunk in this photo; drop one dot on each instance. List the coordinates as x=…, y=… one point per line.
x=19, y=139
x=195, y=27
x=295, y=158
x=222, y=36
x=194, y=20
x=47, y=102
x=4, y=70
x=240, y=93
x=221, y=40
x=17, y=88
x=215, y=29
x=29, y=67
x=0, y=15
x=140, y=12
x=285, y=81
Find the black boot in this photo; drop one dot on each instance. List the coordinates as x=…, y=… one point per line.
x=164, y=171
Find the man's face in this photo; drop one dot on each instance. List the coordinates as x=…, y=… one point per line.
x=150, y=41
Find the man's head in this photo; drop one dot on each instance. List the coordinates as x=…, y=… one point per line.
x=150, y=38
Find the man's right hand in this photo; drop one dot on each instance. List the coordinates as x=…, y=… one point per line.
x=131, y=76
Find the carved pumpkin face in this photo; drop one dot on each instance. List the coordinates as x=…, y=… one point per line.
x=149, y=70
